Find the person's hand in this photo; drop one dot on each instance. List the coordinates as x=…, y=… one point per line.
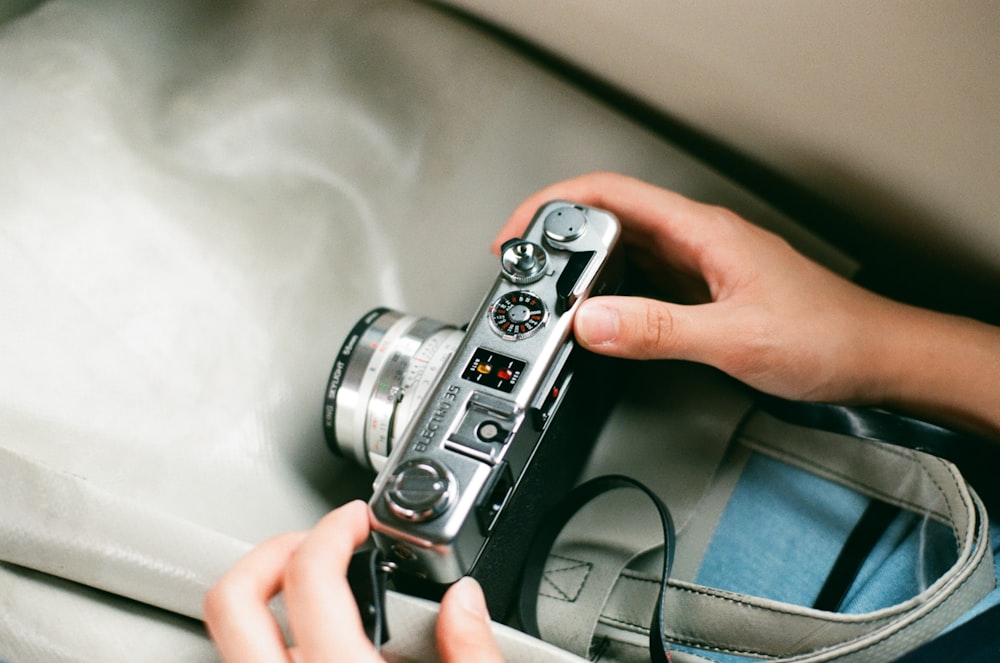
x=747, y=303
x=310, y=569
x=754, y=307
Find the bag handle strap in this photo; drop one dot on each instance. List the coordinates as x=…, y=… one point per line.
x=976, y=458
x=942, y=492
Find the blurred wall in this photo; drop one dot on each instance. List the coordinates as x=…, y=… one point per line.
x=891, y=109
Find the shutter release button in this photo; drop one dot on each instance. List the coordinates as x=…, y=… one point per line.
x=419, y=490
x=522, y=261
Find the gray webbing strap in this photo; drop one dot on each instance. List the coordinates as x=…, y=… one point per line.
x=578, y=579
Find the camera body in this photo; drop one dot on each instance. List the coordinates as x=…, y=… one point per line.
x=499, y=428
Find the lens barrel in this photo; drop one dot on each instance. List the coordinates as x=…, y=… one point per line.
x=385, y=367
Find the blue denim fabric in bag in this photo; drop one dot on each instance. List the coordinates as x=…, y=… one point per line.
x=784, y=527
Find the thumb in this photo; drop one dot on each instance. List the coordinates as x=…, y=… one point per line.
x=463, y=627
x=640, y=328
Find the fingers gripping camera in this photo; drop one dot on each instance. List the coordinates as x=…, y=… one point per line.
x=464, y=426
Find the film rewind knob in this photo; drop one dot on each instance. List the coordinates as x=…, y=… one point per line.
x=565, y=224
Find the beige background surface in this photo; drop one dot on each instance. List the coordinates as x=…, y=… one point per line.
x=890, y=108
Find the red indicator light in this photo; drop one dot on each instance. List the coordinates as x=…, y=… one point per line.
x=504, y=374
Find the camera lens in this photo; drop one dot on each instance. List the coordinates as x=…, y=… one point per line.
x=386, y=366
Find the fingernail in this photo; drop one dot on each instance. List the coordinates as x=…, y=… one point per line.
x=470, y=597
x=596, y=324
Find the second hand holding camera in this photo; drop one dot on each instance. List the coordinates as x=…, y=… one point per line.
x=475, y=434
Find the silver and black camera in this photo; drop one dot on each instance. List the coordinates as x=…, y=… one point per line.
x=475, y=433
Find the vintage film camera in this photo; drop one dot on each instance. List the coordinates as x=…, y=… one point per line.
x=475, y=433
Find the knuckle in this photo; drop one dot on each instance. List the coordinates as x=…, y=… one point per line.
x=658, y=330
x=602, y=175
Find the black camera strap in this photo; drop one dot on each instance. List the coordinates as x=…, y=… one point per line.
x=367, y=575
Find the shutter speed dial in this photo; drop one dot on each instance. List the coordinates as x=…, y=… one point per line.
x=518, y=314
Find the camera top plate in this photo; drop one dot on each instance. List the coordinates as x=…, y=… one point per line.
x=482, y=422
